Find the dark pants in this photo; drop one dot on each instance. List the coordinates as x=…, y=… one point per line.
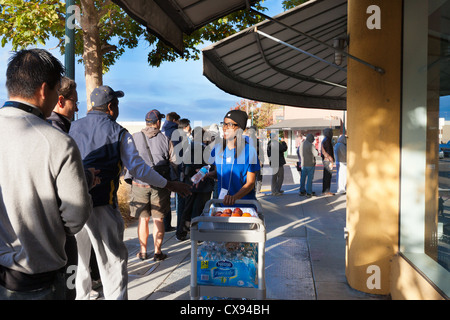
x=193, y=207
x=326, y=185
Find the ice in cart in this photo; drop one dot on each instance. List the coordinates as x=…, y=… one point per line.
x=229, y=261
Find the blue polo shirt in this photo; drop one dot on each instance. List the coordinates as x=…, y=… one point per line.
x=232, y=169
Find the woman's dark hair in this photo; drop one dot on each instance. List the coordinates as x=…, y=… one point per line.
x=29, y=69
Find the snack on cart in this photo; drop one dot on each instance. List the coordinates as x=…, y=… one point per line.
x=229, y=263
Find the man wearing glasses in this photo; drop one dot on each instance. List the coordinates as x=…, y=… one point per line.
x=236, y=161
x=67, y=105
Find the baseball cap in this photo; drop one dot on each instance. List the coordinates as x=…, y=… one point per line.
x=154, y=115
x=103, y=95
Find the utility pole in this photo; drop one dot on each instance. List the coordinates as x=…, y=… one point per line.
x=69, y=55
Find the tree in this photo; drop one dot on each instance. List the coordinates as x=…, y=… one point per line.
x=262, y=112
x=105, y=32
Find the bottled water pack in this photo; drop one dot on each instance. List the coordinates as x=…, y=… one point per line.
x=227, y=264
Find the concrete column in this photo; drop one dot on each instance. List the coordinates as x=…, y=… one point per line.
x=374, y=118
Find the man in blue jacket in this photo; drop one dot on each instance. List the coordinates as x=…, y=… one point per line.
x=108, y=147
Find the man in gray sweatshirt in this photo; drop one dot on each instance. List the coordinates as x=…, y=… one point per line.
x=308, y=154
x=43, y=191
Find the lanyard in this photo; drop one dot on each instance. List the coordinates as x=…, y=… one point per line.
x=25, y=107
x=221, y=170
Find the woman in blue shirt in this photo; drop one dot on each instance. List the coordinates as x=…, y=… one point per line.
x=236, y=161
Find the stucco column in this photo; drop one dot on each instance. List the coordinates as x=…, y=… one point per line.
x=374, y=105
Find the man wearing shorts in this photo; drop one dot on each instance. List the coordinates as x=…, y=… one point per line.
x=150, y=201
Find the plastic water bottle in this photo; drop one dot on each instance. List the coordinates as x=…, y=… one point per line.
x=199, y=175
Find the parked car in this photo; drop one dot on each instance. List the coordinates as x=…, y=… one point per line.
x=445, y=148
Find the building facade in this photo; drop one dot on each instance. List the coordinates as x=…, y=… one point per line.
x=397, y=212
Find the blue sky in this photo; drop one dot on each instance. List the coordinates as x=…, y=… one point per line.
x=174, y=86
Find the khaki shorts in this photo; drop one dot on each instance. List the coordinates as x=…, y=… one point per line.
x=146, y=202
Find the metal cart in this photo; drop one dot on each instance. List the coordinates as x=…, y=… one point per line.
x=229, y=229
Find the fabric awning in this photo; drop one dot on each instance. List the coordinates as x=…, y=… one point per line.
x=252, y=64
x=306, y=124
x=169, y=19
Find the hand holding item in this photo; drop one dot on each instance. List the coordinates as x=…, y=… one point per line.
x=181, y=188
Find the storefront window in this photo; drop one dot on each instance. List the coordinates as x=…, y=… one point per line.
x=425, y=177
x=439, y=90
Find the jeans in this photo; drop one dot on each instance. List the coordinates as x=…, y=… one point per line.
x=307, y=176
x=55, y=292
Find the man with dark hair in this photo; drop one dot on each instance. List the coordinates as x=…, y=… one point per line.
x=43, y=191
x=170, y=125
x=66, y=106
x=168, y=128
x=108, y=147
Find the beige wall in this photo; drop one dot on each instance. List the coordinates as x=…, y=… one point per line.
x=373, y=105
x=409, y=284
x=306, y=113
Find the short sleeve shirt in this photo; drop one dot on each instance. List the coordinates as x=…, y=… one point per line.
x=232, y=169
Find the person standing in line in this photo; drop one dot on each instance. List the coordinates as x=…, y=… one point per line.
x=185, y=125
x=107, y=146
x=61, y=118
x=277, y=164
x=201, y=192
x=43, y=190
x=168, y=128
x=170, y=125
x=254, y=141
x=64, y=111
x=340, y=151
x=328, y=161
x=148, y=201
x=184, y=138
x=308, y=154
x=236, y=161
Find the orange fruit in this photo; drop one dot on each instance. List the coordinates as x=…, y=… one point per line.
x=246, y=214
x=235, y=214
x=225, y=215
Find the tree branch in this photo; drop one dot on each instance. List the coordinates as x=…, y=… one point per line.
x=104, y=10
x=108, y=48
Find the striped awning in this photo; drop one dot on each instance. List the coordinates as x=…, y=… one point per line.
x=287, y=60
x=170, y=19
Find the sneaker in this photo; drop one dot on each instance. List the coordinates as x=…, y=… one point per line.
x=302, y=194
x=308, y=195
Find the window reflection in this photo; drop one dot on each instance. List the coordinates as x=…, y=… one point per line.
x=438, y=225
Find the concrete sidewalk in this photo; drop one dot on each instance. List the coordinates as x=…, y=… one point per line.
x=305, y=250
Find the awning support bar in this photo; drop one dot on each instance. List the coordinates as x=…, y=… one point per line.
x=292, y=74
x=298, y=49
x=377, y=69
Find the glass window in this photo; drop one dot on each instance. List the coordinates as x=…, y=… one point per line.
x=425, y=171
x=438, y=242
